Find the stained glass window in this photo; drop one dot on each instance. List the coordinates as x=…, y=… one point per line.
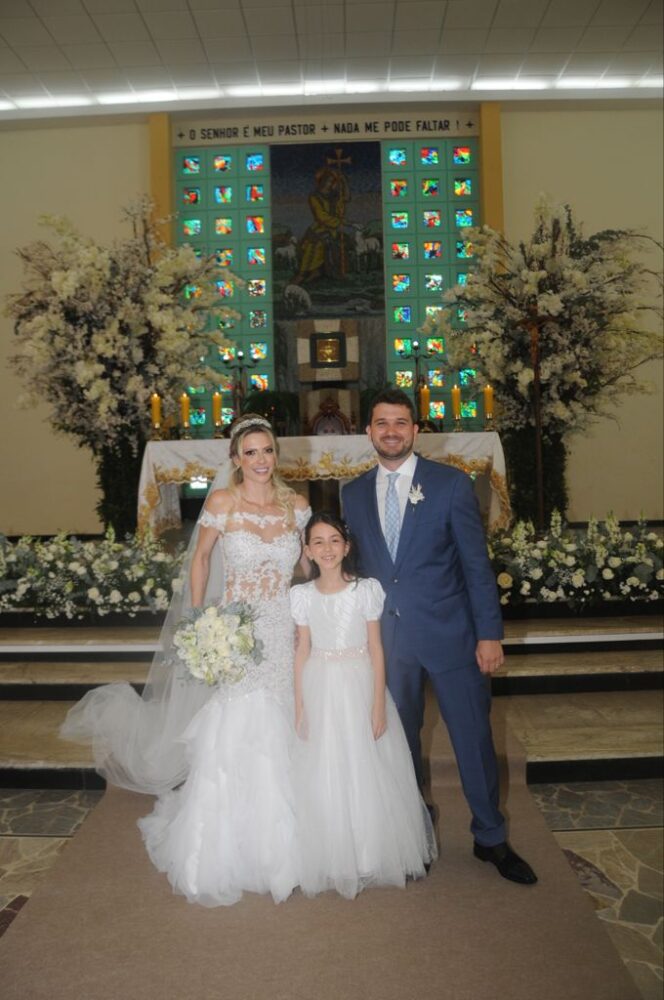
x=463, y=217
x=402, y=345
x=433, y=282
x=397, y=157
x=462, y=278
x=224, y=288
x=469, y=409
x=259, y=382
x=197, y=416
x=432, y=249
x=398, y=188
x=430, y=187
x=403, y=380
x=224, y=256
x=433, y=312
x=191, y=196
x=255, y=161
x=436, y=409
x=227, y=353
x=464, y=249
x=467, y=376
x=463, y=187
x=192, y=227
x=255, y=192
x=258, y=350
x=402, y=314
x=257, y=319
x=400, y=220
x=225, y=383
x=191, y=165
x=222, y=162
x=400, y=251
x=461, y=155
x=437, y=378
x=225, y=323
x=431, y=218
x=255, y=255
x=257, y=287
x=255, y=224
x=461, y=314
x=223, y=194
x=429, y=155
x=192, y=291
x=223, y=226
x=400, y=282
x=195, y=390
x=227, y=414
x=436, y=345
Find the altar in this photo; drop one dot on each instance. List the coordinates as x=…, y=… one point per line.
x=168, y=465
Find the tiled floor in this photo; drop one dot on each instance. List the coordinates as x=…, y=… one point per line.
x=611, y=833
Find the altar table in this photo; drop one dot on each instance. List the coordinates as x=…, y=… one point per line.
x=167, y=465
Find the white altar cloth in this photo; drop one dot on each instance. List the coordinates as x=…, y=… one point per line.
x=167, y=465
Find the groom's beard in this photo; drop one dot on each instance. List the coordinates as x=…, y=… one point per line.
x=395, y=450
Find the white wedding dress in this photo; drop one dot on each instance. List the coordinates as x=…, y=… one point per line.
x=231, y=826
x=361, y=818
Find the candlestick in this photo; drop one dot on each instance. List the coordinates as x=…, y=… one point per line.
x=425, y=396
x=216, y=414
x=488, y=402
x=184, y=415
x=155, y=410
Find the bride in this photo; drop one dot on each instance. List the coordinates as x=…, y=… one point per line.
x=230, y=825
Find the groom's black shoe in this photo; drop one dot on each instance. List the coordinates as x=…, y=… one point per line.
x=509, y=864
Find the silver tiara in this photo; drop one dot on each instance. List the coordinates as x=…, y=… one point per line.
x=244, y=423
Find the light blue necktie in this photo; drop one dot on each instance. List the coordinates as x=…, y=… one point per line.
x=392, y=515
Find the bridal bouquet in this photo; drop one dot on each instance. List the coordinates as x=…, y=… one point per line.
x=219, y=644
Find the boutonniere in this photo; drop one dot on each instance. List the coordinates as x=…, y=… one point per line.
x=415, y=494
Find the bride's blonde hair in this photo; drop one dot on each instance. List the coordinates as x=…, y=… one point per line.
x=254, y=423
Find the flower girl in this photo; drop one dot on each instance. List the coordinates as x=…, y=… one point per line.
x=361, y=818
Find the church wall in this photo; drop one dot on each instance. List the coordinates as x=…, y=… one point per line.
x=86, y=172
x=607, y=164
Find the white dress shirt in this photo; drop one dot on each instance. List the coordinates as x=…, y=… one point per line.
x=403, y=484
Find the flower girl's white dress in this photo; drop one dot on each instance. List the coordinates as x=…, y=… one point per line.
x=361, y=818
x=231, y=826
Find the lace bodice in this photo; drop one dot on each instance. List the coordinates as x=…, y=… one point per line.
x=259, y=554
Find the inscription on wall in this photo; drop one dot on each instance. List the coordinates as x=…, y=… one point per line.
x=317, y=128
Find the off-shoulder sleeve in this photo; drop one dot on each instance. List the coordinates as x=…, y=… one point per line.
x=299, y=604
x=210, y=520
x=301, y=517
x=373, y=598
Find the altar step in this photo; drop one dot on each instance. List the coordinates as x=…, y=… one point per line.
x=583, y=696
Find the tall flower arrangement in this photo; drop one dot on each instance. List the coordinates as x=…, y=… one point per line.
x=100, y=328
x=557, y=325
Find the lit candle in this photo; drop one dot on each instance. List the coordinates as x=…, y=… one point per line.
x=184, y=409
x=155, y=409
x=488, y=402
x=456, y=401
x=425, y=396
x=216, y=408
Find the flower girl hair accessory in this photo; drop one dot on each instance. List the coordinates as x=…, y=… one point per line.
x=415, y=494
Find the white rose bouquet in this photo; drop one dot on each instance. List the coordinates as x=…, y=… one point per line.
x=218, y=645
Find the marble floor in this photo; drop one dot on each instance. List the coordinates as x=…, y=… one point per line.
x=610, y=832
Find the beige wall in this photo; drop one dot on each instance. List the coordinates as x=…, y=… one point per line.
x=606, y=164
x=86, y=172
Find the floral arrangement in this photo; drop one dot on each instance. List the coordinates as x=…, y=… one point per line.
x=582, y=568
x=218, y=644
x=66, y=577
x=100, y=329
x=575, y=308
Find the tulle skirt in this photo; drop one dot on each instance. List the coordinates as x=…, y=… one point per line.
x=231, y=826
x=361, y=818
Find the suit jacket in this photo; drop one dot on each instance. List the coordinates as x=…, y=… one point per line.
x=441, y=594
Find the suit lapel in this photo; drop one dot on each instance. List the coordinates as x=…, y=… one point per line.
x=373, y=528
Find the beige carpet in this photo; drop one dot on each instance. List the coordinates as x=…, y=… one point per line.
x=105, y=925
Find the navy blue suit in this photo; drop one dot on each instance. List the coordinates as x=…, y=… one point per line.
x=441, y=597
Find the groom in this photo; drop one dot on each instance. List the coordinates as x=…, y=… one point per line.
x=419, y=533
